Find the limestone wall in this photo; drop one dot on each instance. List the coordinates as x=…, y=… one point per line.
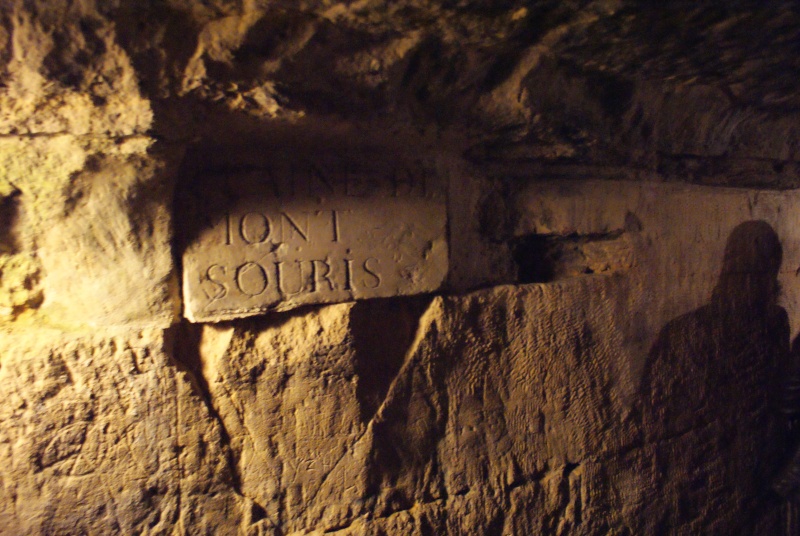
x=601, y=355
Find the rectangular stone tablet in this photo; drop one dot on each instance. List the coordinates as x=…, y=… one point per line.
x=275, y=239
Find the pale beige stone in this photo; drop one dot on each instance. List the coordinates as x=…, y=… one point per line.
x=92, y=227
x=471, y=397
x=106, y=100
x=675, y=248
x=103, y=434
x=459, y=415
x=509, y=410
x=297, y=235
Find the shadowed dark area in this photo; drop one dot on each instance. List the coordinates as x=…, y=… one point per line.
x=710, y=391
x=269, y=150
x=9, y=213
x=535, y=257
x=382, y=331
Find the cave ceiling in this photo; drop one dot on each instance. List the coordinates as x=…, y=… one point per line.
x=698, y=92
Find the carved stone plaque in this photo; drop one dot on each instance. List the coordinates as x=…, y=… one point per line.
x=278, y=238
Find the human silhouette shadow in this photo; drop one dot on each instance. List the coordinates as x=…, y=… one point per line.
x=709, y=393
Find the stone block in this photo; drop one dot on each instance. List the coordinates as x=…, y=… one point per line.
x=292, y=235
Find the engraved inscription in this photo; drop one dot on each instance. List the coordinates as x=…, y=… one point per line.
x=254, y=228
x=259, y=228
x=221, y=290
x=303, y=235
x=297, y=180
x=253, y=278
x=373, y=272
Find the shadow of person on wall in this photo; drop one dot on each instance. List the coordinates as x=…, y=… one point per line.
x=708, y=392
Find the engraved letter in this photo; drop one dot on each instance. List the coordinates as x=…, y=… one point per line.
x=221, y=288
x=321, y=178
x=293, y=227
x=280, y=279
x=373, y=272
x=336, y=219
x=348, y=274
x=315, y=275
x=256, y=282
x=405, y=185
x=335, y=224
x=228, y=231
x=270, y=180
x=259, y=225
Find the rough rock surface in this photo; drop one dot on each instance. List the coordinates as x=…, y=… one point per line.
x=103, y=434
x=535, y=393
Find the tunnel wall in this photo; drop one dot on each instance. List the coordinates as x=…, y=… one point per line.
x=605, y=355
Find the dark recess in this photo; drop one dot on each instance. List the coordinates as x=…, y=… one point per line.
x=9, y=214
x=535, y=257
